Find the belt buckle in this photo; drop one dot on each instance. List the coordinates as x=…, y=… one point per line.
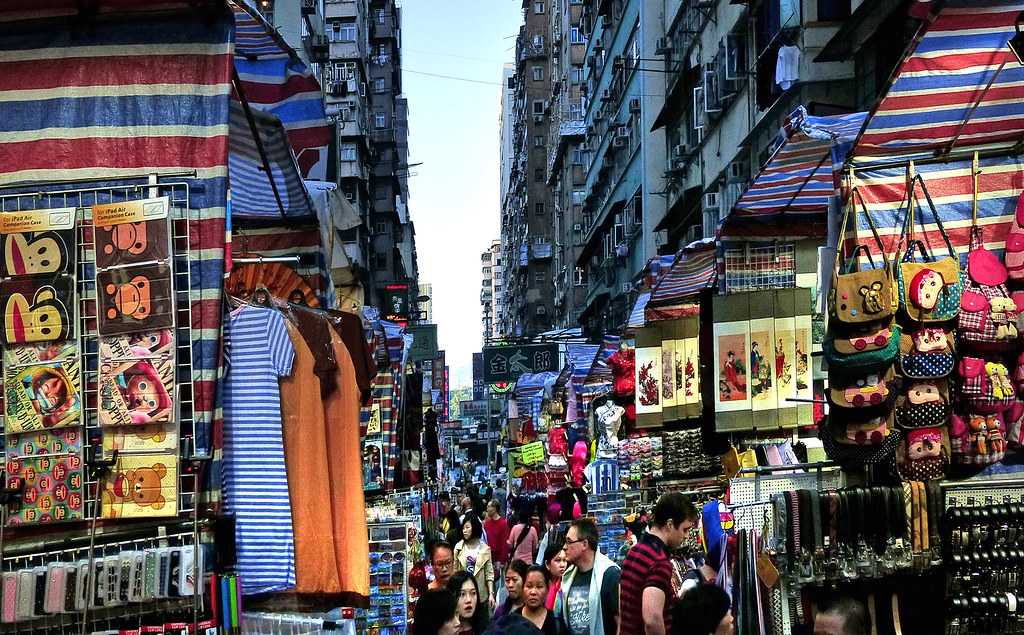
x=820, y=563
x=865, y=560
x=805, y=567
x=848, y=563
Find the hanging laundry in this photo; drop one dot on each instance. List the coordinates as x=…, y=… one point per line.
x=787, y=67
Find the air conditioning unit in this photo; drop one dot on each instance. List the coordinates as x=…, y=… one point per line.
x=679, y=151
x=634, y=104
x=606, y=95
x=577, y=227
x=538, y=119
x=617, y=62
x=542, y=310
x=621, y=132
x=737, y=172
x=626, y=287
x=598, y=45
x=711, y=200
x=619, y=142
x=308, y=7
x=362, y=89
x=547, y=106
x=694, y=232
x=339, y=89
x=664, y=46
x=622, y=250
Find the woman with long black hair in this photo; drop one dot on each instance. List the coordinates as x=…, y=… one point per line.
x=471, y=611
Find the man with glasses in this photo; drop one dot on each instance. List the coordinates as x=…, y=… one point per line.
x=647, y=570
x=442, y=561
x=590, y=586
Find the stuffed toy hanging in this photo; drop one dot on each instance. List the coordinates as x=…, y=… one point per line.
x=925, y=457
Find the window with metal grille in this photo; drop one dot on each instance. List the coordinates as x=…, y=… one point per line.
x=757, y=268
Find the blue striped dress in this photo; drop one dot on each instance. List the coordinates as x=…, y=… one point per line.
x=258, y=352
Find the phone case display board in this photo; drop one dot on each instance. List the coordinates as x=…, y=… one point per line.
x=761, y=360
x=136, y=381
x=41, y=365
x=610, y=510
x=389, y=571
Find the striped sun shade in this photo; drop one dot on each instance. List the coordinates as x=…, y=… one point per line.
x=691, y=273
x=580, y=357
x=960, y=88
x=798, y=179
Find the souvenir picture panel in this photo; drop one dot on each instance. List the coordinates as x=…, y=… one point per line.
x=142, y=345
x=648, y=379
x=731, y=366
x=691, y=371
x=37, y=242
x=132, y=232
x=804, y=375
x=56, y=441
x=762, y=364
x=152, y=437
x=38, y=309
x=136, y=391
x=669, y=355
x=52, y=488
x=42, y=396
x=134, y=299
x=784, y=353
x=141, y=486
x=39, y=353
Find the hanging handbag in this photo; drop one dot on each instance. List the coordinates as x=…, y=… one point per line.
x=988, y=315
x=927, y=353
x=1014, y=419
x=924, y=456
x=977, y=439
x=860, y=296
x=863, y=357
x=862, y=390
x=985, y=386
x=925, y=404
x=1014, y=254
x=929, y=288
x=853, y=453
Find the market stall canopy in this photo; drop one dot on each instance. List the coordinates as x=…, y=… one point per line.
x=636, y=316
x=600, y=372
x=692, y=272
x=959, y=89
x=252, y=196
x=580, y=358
x=275, y=80
x=798, y=179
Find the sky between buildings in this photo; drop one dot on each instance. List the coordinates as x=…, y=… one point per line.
x=453, y=131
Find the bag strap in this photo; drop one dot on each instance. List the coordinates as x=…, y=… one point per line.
x=852, y=206
x=918, y=179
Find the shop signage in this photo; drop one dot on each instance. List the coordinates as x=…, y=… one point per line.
x=471, y=409
x=507, y=363
x=395, y=302
x=437, y=372
x=424, y=343
x=532, y=453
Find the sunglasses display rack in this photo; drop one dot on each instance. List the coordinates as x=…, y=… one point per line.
x=983, y=534
x=390, y=544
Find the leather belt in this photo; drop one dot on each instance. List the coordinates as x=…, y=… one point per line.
x=781, y=513
x=833, y=517
x=881, y=524
x=896, y=626
x=816, y=518
x=934, y=512
x=925, y=535
x=794, y=527
x=908, y=511
x=806, y=520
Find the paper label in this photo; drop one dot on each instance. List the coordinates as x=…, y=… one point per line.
x=130, y=211
x=533, y=453
x=37, y=220
x=766, y=570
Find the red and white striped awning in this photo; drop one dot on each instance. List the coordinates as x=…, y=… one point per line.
x=691, y=273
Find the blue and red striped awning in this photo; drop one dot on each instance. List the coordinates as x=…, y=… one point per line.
x=275, y=80
x=798, y=179
x=636, y=316
x=580, y=358
x=691, y=273
x=959, y=89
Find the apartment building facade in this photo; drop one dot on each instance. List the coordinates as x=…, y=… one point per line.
x=491, y=290
x=527, y=235
x=360, y=59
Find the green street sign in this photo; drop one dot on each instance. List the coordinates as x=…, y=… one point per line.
x=507, y=363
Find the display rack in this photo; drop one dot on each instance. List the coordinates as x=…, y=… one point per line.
x=990, y=491
x=389, y=576
x=750, y=494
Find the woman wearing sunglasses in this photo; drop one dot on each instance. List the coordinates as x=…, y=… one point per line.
x=469, y=608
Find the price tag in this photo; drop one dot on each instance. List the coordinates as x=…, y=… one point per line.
x=532, y=453
x=373, y=425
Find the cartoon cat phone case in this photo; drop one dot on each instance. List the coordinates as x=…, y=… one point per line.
x=134, y=299
x=131, y=232
x=136, y=391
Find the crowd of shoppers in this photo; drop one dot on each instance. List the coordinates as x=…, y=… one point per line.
x=574, y=589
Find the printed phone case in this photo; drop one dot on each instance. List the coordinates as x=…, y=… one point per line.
x=71, y=587
x=56, y=581
x=98, y=590
x=174, y=582
x=38, y=309
x=43, y=396
x=163, y=578
x=26, y=594
x=83, y=592
x=134, y=299
x=142, y=485
x=136, y=391
x=141, y=439
x=131, y=232
x=125, y=581
x=187, y=572
x=51, y=489
x=112, y=590
x=9, y=610
x=39, y=607
x=39, y=353
x=38, y=253
x=150, y=587
x=135, y=594
x=56, y=441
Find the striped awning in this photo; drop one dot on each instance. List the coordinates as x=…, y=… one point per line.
x=580, y=358
x=251, y=193
x=959, y=89
x=275, y=80
x=600, y=372
x=636, y=316
x=691, y=273
x=798, y=179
